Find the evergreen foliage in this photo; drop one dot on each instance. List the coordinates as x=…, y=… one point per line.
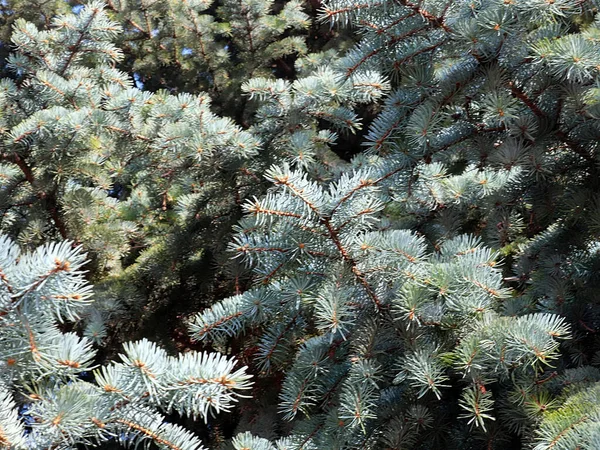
x=42, y=291
x=438, y=289
x=364, y=317
x=84, y=151
x=200, y=44
x=479, y=128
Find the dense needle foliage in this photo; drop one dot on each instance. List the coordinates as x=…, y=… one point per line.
x=269, y=225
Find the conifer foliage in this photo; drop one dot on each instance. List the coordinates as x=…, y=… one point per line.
x=206, y=45
x=75, y=129
x=477, y=136
x=41, y=292
x=439, y=289
x=364, y=317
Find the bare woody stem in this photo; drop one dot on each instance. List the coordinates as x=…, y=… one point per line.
x=48, y=199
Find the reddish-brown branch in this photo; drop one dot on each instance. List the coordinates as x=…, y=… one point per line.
x=381, y=30
x=75, y=48
x=333, y=235
x=518, y=93
x=121, y=130
x=16, y=159
x=330, y=13
x=355, y=216
x=548, y=378
x=310, y=436
x=249, y=29
x=137, y=26
x=53, y=209
x=353, y=265
x=576, y=148
x=363, y=184
x=221, y=321
x=560, y=435
x=272, y=273
x=586, y=326
x=437, y=22
x=245, y=171
x=248, y=249
x=152, y=435
x=391, y=42
x=257, y=209
x=282, y=334
x=49, y=199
